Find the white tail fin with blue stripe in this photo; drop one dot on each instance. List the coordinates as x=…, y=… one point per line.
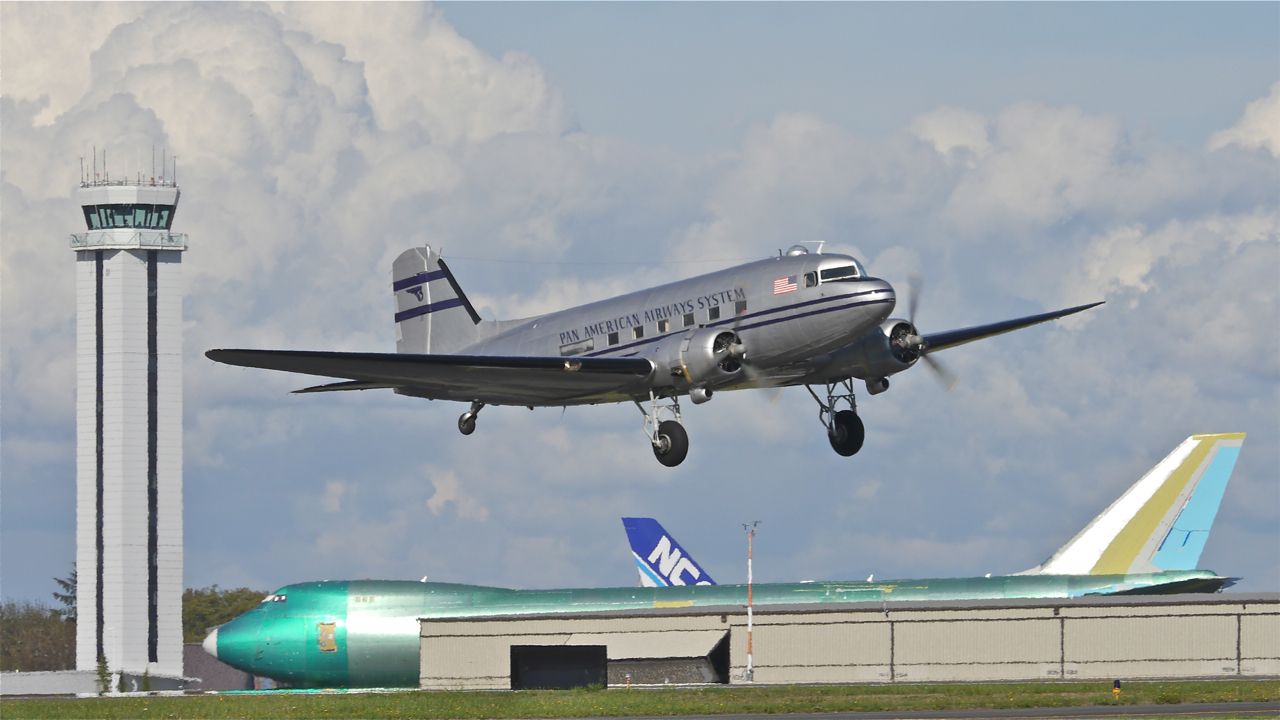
x=1162, y=521
x=659, y=559
x=433, y=315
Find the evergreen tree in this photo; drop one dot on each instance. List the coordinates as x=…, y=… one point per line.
x=68, y=595
x=204, y=608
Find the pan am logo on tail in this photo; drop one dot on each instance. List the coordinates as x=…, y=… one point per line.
x=659, y=559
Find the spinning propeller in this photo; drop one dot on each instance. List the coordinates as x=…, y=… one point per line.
x=908, y=345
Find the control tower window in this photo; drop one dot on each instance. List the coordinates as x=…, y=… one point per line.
x=136, y=215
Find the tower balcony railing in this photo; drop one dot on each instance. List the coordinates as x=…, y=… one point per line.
x=123, y=239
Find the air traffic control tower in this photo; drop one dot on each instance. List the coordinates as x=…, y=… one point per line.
x=129, y=426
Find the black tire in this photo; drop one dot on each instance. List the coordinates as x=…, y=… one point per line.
x=466, y=423
x=847, y=433
x=673, y=443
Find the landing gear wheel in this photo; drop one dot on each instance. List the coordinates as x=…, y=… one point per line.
x=847, y=433
x=467, y=423
x=672, y=443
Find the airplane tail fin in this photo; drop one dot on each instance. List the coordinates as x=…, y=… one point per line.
x=433, y=315
x=659, y=558
x=1162, y=521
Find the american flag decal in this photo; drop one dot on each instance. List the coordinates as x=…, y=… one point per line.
x=785, y=285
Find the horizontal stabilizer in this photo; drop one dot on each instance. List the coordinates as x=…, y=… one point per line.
x=348, y=385
x=934, y=342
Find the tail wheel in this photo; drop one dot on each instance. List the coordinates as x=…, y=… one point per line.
x=672, y=443
x=846, y=433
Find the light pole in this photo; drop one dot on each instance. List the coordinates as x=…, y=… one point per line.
x=748, y=675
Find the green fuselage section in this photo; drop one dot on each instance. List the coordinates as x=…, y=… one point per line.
x=365, y=633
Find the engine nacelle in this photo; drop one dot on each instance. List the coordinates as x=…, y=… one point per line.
x=879, y=354
x=706, y=358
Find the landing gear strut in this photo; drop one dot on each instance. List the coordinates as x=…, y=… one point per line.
x=670, y=441
x=844, y=427
x=467, y=420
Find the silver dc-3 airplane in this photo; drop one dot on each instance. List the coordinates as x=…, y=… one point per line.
x=800, y=318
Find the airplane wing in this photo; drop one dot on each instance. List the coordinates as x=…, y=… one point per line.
x=934, y=342
x=493, y=380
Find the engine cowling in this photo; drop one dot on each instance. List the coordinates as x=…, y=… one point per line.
x=706, y=358
x=882, y=352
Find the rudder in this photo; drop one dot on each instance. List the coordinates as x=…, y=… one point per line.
x=659, y=559
x=433, y=315
x=1161, y=522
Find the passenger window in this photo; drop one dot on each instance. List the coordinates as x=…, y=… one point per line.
x=740, y=307
x=810, y=279
x=713, y=313
x=613, y=338
x=637, y=332
x=325, y=637
x=663, y=326
x=688, y=320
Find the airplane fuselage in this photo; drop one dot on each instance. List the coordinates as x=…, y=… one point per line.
x=790, y=319
x=365, y=633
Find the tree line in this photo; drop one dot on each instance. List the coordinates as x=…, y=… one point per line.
x=39, y=636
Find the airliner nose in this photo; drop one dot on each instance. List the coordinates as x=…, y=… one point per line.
x=210, y=643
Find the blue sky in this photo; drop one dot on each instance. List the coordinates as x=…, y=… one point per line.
x=1019, y=157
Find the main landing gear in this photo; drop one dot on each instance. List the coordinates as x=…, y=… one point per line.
x=467, y=420
x=670, y=441
x=844, y=427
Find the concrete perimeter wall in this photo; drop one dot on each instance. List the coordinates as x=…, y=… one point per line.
x=1185, y=636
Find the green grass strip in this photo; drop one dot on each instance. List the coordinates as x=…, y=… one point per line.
x=656, y=702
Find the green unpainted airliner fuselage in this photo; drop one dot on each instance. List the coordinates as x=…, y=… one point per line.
x=365, y=633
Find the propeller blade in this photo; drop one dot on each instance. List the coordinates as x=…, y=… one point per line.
x=915, y=285
x=940, y=371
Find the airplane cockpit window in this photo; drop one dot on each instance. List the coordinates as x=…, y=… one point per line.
x=810, y=279
x=842, y=273
x=274, y=598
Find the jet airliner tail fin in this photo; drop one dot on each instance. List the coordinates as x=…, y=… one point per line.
x=1162, y=521
x=433, y=315
x=659, y=558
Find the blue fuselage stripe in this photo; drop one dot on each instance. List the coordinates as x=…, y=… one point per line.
x=429, y=308
x=416, y=280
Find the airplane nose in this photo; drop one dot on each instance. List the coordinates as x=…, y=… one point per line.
x=885, y=290
x=210, y=643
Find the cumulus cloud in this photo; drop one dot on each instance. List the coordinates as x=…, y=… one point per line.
x=448, y=491
x=1259, y=127
x=420, y=72
x=955, y=133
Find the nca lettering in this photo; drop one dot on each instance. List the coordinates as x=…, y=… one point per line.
x=674, y=565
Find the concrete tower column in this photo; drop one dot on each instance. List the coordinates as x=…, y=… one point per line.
x=129, y=427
